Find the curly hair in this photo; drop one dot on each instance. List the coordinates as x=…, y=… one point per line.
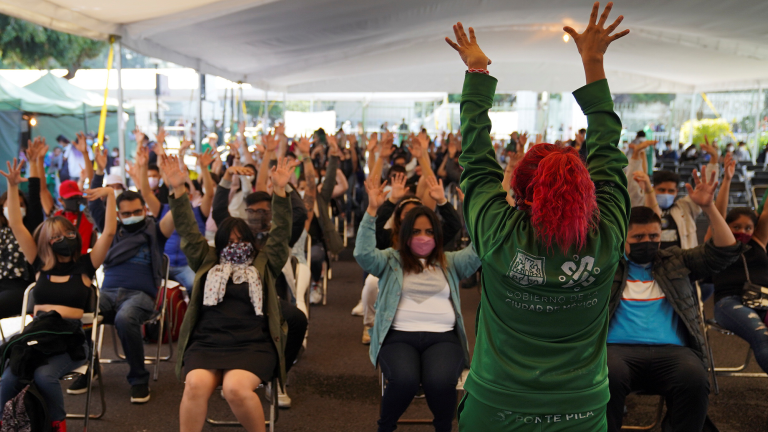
x=553, y=186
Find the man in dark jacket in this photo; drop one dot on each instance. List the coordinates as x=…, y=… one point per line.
x=655, y=342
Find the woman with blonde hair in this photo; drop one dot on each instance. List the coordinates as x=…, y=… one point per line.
x=62, y=292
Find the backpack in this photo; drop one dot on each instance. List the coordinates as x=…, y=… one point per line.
x=26, y=412
x=176, y=309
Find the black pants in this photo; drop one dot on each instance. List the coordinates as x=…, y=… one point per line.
x=297, y=327
x=674, y=372
x=434, y=360
x=11, y=296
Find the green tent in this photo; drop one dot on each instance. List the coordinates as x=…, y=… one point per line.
x=14, y=98
x=85, y=116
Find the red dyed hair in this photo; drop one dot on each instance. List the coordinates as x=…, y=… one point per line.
x=553, y=185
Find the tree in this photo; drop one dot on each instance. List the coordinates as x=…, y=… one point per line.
x=27, y=45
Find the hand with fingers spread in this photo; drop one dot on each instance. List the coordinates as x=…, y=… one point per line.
x=711, y=150
x=376, y=195
x=468, y=49
x=333, y=148
x=281, y=174
x=97, y=193
x=416, y=147
x=206, y=158
x=398, y=188
x=729, y=167
x=185, y=145
x=270, y=143
x=13, y=176
x=594, y=41
x=304, y=146
x=704, y=193
x=522, y=140
x=139, y=136
x=643, y=181
x=101, y=160
x=373, y=141
x=436, y=190
x=142, y=157
x=81, y=144
x=172, y=173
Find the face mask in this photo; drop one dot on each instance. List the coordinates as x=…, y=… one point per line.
x=665, y=200
x=74, y=205
x=118, y=192
x=5, y=212
x=115, y=154
x=237, y=253
x=154, y=182
x=743, y=237
x=729, y=149
x=133, y=220
x=421, y=245
x=89, y=142
x=250, y=179
x=66, y=247
x=643, y=252
x=259, y=221
x=301, y=194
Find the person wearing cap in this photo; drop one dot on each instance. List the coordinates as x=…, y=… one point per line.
x=115, y=182
x=71, y=198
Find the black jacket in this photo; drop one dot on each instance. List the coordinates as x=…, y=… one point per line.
x=46, y=336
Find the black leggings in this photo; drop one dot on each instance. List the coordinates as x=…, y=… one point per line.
x=11, y=296
x=297, y=327
x=434, y=360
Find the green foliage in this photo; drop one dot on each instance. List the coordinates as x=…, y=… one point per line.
x=27, y=45
x=712, y=128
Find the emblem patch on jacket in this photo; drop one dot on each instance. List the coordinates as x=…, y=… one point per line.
x=527, y=269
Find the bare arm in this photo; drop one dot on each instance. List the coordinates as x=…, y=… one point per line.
x=82, y=146
x=649, y=195
x=100, y=249
x=723, y=195
x=310, y=192
x=209, y=187
x=15, y=220
x=270, y=145
x=703, y=196
x=154, y=204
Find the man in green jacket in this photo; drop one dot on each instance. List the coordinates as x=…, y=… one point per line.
x=540, y=356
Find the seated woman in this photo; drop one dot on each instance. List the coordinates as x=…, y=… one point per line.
x=63, y=286
x=16, y=274
x=418, y=336
x=232, y=332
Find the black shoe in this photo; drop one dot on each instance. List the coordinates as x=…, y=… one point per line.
x=80, y=385
x=140, y=393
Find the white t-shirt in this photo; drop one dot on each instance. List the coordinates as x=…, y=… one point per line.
x=425, y=304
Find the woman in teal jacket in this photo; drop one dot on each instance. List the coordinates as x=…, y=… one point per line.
x=548, y=264
x=418, y=336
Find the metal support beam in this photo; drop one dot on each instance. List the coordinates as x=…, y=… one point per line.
x=120, y=114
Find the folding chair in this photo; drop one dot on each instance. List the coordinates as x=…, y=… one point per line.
x=758, y=191
x=459, y=391
x=90, y=319
x=160, y=318
x=733, y=371
x=270, y=394
x=657, y=419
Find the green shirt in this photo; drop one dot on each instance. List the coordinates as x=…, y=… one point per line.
x=543, y=318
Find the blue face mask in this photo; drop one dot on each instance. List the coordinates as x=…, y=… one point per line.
x=665, y=200
x=89, y=141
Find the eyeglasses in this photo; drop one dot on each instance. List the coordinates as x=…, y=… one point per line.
x=70, y=235
x=138, y=212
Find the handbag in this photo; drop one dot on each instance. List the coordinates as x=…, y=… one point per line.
x=753, y=296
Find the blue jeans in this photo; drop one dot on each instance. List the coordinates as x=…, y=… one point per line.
x=745, y=323
x=128, y=310
x=47, y=380
x=434, y=360
x=183, y=275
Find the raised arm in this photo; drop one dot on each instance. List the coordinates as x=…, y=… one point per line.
x=642, y=180
x=142, y=161
x=270, y=145
x=82, y=146
x=15, y=221
x=310, y=177
x=420, y=151
x=36, y=151
x=366, y=254
x=723, y=195
x=100, y=249
x=244, y=144
x=604, y=159
x=209, y=186
x=277, y=248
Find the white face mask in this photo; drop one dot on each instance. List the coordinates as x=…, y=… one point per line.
x=250, y=179
x=154, y=182
x=118, y=192
x=5, y=212
x=301, y=193
x=133, y=220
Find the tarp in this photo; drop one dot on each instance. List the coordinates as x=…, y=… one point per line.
x=54, y=87
x=397, y=45
x=10, y=134
x=17, y=98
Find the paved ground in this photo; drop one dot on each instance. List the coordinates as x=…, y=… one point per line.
x=334, y=387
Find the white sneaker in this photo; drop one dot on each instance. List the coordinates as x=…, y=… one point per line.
x=283, y=401
x=358, y=310
x=316, y=295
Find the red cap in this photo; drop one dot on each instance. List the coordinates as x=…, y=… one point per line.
x=68, y=189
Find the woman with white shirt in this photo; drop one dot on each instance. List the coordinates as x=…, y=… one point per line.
x=418, y=337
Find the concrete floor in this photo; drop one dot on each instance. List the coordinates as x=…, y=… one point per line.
x=334, y=387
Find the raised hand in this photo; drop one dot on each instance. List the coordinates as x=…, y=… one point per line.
x=460, y=194
x=416, y=147
x=279, y=129
x=172, y=173
x=96, y=193
x=281, y=173
x=729, y=167
x=205, y=159
x=398, y=187
x=133, y=171
x=270, y=143
x=594, y=41
x=373, y=141
x=436, y=189
x=159, y=141
x=304, y=146
x=352, y=138
x=14, y=173
x=642, y=180
x=142, y=157
x=81, y=144
x=333, y=148
x=704, y=193
x=185, y=144
x=376, y=195
x=238, y=170
x=139, y=136
x=710, y=149
x=468, y=49
x=522, y=140
x=101, y=159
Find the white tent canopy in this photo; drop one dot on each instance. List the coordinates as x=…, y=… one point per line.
x=312, y=46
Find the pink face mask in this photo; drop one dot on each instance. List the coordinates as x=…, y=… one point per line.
x=743, y=237
x=421, y=245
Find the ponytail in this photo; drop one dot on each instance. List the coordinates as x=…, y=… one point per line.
x=553, y=185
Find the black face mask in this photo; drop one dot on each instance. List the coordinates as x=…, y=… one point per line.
x=66, y=247
x=74, y=205
x=643, y=252
x=260, y=221
x=138, y=226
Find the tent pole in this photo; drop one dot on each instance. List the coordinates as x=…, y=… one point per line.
x=120, y=120
x=85, y=119
x=758, y=110
x=266, y=114
x=199, y=122
x=692, y=117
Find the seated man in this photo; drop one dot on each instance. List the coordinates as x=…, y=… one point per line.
x=655, y=343
x=133, y=270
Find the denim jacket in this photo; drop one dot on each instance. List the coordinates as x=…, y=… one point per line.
x=385, y=264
